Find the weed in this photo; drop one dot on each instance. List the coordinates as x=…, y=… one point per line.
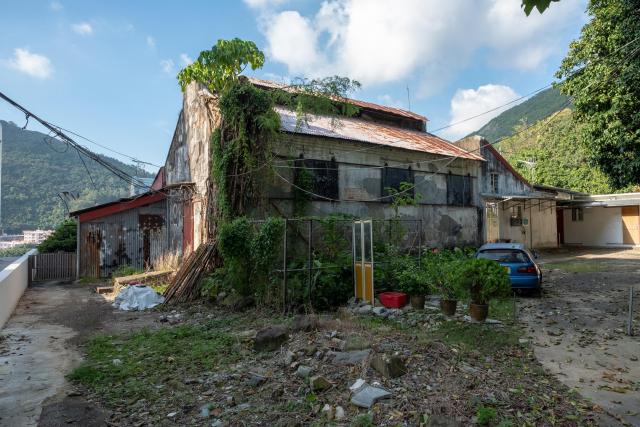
x=125, y=270
x=484, y=338
x=124, y=368
x=364, y=420
x=485, y=415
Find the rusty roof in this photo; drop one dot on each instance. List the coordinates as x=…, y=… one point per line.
x=354, y=129
x=358, y=103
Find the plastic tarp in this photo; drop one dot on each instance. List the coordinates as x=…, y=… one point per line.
x=137, y=297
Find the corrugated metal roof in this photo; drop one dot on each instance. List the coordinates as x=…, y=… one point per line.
x=356, y=102
x=375, y=133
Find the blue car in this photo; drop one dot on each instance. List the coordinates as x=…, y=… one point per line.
x=519, y=262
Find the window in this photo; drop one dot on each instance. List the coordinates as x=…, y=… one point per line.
x=392, y=178
x=577, y=214
x=516, y=216
x=505, y=255
x=459, y=191
x=494, y=183
x=323, y=178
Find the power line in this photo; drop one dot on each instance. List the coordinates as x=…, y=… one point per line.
x=81, y=150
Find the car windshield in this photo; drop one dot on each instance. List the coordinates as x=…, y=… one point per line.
x=505, y=255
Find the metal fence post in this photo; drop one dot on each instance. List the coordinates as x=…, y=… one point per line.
x=630, y=319
x=420, y=242
x=310, y=258
x=284, y=269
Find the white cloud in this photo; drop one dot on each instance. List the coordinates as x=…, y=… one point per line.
x=168, y=66
x=373, y=42
x=56, y=6
x=82, y=28
x=468, y=103
x=151, y=42
x=293, y=41
x=185, y=59
x=32, y=64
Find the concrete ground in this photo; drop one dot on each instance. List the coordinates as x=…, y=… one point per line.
x=578, y=327
x=41, y=343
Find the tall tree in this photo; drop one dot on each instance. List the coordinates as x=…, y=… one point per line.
x=602, y=75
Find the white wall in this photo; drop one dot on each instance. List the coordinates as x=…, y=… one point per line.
x=13, y=281
x=600, y=227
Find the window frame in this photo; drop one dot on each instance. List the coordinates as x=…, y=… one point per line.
x=466, y=197
x=577, y=214
x=495, y=182
x=322, y=170
x=409, y=174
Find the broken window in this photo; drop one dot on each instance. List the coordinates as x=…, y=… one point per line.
x=577, y=214
x=392, y=178
x=494, y=183
x=516, y=216
x=459, y=191
x=324, y=178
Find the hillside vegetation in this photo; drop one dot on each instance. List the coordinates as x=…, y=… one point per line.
x=559, y=156
x=35, y=168
x=535, y=108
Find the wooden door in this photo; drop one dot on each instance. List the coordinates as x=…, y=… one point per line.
x=630, y=225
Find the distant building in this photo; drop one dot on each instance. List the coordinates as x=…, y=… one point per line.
x=35, y=237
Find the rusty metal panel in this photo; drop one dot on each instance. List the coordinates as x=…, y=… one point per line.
x=119, y=240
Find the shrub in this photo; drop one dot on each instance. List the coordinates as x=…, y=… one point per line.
x=485, y=279
x=412, y=281
x=331, y=285
x=443, y=271
x=63, y=238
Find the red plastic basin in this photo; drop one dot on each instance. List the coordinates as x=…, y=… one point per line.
x=393, y=299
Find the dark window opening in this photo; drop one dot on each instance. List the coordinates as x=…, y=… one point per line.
x=577, y=214
x=494, y=183
x=459, y=190
x=321, y=178
x=392, y=179
x=516, y=216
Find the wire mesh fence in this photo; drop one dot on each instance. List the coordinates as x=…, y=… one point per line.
x=315, y=265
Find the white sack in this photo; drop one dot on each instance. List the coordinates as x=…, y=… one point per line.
x=137, y=297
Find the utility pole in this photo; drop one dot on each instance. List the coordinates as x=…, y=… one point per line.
x=1, y=144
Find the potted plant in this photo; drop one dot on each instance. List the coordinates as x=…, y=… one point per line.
x=443, y=271
x=484, y=280
x=412, y=282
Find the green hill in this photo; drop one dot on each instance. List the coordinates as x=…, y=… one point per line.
x=554, y=147
x=535, y=108
x=35, y=168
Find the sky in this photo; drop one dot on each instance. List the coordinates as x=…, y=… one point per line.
x=107, y=69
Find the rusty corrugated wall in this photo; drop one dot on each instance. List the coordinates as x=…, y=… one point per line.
x=137, y=238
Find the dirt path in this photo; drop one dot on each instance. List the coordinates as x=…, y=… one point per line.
x=40, y=345
x=578, y=328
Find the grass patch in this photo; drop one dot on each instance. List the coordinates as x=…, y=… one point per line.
x=159, y=287
x=123, y=369
x=577, y=266
x=502, y=309
x=487, y=339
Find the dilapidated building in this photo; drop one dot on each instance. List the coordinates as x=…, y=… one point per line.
x=353, y=162
x=129, y=232
x=514, y=210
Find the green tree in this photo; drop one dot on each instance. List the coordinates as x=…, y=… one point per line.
x=602, y=75
x=541, y=5
x=63, y=239
x=560, y=157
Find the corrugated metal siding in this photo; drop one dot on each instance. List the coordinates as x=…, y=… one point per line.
x=117, y=240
